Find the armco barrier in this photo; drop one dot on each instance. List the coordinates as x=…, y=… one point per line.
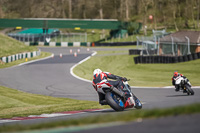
x=12, y=58
x=78, y=44
x=61, y=44
x=166, y=59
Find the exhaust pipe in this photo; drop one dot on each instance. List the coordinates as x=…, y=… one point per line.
x=118, y=92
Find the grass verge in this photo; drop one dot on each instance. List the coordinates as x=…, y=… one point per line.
x=16, y=103
x=115, y=117
x=10, y=46
x=155, y=75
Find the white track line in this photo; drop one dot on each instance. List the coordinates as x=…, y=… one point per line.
x=35, y=60
x=71, y=69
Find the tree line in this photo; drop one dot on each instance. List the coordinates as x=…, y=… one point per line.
x=176, y=14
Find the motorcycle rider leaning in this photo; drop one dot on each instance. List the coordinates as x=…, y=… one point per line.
x=176, y=74
x=99, y=76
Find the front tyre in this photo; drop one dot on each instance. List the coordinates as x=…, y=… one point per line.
x=114, y=101
x=189, y=89
x=138, y=104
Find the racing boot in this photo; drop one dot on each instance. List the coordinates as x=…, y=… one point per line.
x=103, y=102
x=177, y=88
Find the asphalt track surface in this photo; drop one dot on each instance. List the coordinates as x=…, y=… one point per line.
x=52, y=77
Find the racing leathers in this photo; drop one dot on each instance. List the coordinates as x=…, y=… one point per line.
x=97, y=78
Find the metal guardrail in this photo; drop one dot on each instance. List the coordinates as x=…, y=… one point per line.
x=53, y=37
x=15, y=57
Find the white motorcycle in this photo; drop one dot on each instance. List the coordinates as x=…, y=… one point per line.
x=184, y=85
x=113, y=98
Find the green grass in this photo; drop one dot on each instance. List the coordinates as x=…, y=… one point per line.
x=114, y=117
x=16, y=103
x=10, y=46
x=155, y=75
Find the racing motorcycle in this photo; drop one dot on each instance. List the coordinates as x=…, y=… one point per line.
x=115, y=101
x=184, y=85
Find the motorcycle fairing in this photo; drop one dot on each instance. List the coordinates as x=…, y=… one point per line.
x=101, y=87
x=129, y=102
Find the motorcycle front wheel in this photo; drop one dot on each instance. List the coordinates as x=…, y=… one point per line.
x=189, y=90
x=137, y=102
x=114, y=101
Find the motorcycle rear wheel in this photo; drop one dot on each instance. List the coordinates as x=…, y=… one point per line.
x=113, y=104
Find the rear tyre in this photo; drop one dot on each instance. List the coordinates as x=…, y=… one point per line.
x=113, y=101
x=189, y=90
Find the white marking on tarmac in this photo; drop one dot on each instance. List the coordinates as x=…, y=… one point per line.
x=35, y=60
x=71, y=69
x=5, y=121
x=49, y=115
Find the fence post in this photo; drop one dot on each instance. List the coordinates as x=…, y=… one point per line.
x=188, y=44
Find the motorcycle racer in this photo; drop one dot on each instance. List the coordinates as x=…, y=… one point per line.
x=99, y=76
x=176, y=74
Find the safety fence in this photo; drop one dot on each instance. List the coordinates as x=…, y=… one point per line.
x=115, y=44
x=55, y=36
x=62, y=44
x=19, y=56
x=78, y=44
x=166, y=59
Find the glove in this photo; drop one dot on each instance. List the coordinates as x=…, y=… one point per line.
x=124, y=79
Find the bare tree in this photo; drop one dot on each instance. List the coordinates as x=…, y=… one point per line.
x=63, y=3
x=1, y=11
x=192, y=13
x=174, y=8
x=155, y=4
x=100, y=9
x=84, y=9
x=198, y=7
x=115, y=8
x=70, y=9
x=121, y=8
x=127, y=10
x=145, y=4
